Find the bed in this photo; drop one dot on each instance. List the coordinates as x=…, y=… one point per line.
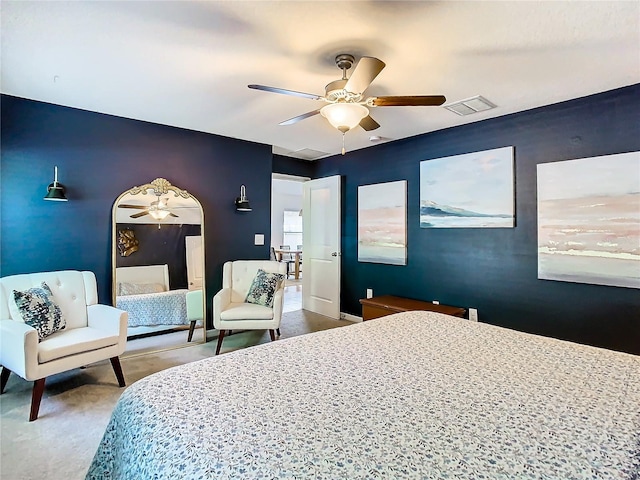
x=410, y=395
x=144, y=292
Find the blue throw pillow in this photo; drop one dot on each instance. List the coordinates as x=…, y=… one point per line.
x=264, y=287
x=38, y=310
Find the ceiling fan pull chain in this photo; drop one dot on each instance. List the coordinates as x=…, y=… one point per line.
x=343, y=150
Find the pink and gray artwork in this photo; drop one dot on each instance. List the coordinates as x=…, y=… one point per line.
x=589, y=220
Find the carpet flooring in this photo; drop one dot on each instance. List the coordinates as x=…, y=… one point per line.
x=77, y=405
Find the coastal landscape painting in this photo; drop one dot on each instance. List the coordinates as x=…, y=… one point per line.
x=589, y=220
x=382, y=223
x=473, y=190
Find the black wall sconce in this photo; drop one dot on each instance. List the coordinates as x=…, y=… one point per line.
x=55, y=190
x=242, y=204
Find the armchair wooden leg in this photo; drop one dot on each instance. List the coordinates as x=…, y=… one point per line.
x=220, y=337
x=191, y=328
x=272, y=333
x=278, y=331
x=36, y=397
x=115, y=363
x=4, y=377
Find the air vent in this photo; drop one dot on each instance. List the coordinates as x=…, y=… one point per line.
x=470, y=105
x=308, y=154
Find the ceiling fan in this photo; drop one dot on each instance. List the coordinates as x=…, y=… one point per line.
x=346, y=105
x=158, y=209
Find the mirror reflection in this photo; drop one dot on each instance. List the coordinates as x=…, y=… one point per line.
x=158, y=266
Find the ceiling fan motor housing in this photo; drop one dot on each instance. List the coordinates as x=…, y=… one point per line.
x=344, y=61
x=335, y=92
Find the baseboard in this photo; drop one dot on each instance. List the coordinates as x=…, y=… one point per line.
x=350, y=318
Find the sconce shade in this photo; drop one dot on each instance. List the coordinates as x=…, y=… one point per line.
x=242, y=203
x=344, y=116
x=55, y=190
x=55, y=193
x=243, y=206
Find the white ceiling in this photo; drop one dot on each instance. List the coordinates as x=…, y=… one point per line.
x=188, y=64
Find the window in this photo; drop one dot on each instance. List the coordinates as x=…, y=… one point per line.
x=292, y=229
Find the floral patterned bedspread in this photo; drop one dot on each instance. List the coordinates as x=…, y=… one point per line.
x=416, y=395
x=164, y=308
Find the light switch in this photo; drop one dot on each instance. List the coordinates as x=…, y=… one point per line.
x=259, y=239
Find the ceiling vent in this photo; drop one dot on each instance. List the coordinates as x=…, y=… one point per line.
x=308, y=154
x=470, y=105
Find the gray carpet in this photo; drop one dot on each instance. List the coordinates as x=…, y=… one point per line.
x=77, y=405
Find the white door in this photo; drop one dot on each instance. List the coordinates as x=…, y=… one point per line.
x=195, y=262
x=321, y=239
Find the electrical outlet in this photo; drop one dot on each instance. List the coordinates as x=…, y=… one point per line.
x=473, y=314
x=343, y=316
x=369, y=292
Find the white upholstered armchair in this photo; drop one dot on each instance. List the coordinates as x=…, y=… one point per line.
x=233, y=308
x=92, y=332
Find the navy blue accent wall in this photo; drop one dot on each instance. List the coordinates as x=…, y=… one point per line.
x=495, y=270
x=294, y=166
x=99, y=157
x=160, y=246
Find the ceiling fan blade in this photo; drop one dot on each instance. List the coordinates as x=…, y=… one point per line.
x=139, y=207
x=369, y=123
x=410, y=100
x=366, y=70
x=138, y=215
x=285, y=92
x=299, y=117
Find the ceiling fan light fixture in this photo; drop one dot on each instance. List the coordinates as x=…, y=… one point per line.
x=346, y=108
x=344, y=116
x=157, y=213
x=159, y=210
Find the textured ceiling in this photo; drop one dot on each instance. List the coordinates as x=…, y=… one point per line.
x=188, y=64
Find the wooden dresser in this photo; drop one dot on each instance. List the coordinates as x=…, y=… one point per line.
x=387, y=304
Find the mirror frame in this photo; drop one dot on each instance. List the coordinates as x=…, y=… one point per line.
x=160, y=186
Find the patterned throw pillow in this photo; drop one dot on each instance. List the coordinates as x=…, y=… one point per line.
x=263, y=288
x=39, y=311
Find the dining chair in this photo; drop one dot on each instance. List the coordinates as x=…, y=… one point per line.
x=288, y=259
x=299, y=248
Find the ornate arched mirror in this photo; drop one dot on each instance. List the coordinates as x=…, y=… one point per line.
x=158, y=266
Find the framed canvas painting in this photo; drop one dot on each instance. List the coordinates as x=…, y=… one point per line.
x=382, y=223
x=474, y=190
x=589, y=220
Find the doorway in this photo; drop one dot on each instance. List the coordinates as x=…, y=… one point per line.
x=286, y=232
